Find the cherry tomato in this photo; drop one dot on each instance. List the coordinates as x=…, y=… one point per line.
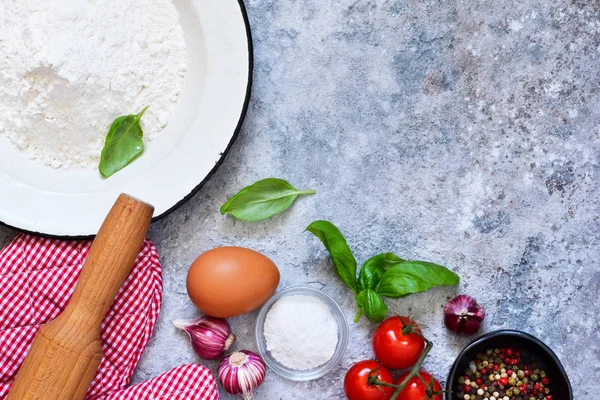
x=355, y=382
x=394, y=349
x=415, y=388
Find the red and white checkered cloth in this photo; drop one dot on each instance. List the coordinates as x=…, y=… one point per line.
x=187, y=382
x=37, y=279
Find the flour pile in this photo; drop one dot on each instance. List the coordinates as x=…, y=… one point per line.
x=68, y=68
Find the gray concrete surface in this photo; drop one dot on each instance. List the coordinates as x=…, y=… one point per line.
x=464, y=133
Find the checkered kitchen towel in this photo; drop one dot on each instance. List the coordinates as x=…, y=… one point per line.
x=37, y=278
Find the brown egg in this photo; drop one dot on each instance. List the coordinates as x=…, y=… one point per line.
x=229, y=281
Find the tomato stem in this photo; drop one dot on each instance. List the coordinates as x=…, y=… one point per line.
x=422, y=380
x=374, y=379
x=415, y=369
x=408, y=328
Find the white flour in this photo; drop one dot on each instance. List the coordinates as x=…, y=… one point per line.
x=300, y=332
x=68, y=68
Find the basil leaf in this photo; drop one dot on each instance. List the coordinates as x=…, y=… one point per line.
x=413, y=277
x=123, y=143
x=372, y=305
x=391, y=259
x=343, y=259
x=262, y=200
x=374, y=268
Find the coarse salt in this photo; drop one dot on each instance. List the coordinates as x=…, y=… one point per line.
x=301, y=332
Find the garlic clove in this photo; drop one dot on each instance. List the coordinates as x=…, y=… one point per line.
x=211, y=337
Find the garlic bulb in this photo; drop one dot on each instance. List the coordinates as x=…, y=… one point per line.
x=241, y=372
x=211, y=337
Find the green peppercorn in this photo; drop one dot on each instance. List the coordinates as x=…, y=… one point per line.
x=461, y=380
x=534, y=377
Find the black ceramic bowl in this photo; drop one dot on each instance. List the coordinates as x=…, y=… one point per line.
x=531, y=346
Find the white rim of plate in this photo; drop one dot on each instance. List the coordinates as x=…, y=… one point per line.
x=221, y=71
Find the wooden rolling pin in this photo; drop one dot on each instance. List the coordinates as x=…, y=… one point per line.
x=66, y=352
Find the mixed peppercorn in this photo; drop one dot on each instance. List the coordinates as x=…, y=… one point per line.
x=503, y=374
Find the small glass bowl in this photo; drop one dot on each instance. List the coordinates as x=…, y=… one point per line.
x=309, y=374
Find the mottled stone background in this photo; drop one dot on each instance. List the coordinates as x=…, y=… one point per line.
x=460, y=132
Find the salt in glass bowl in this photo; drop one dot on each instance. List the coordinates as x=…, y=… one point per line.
x=313, y=373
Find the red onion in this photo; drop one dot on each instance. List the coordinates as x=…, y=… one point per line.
x=211, y=337
x=241, y=372
x=462, y=314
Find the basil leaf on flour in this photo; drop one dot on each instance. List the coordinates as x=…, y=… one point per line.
x=413, y=277
x=372, y=305
x=343, y=259
x=262, y=200
x=123, y=144
x=374, y=268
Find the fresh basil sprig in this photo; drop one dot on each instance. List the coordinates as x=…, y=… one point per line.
x=384, y=275
x=262, y=200
x=123, y=143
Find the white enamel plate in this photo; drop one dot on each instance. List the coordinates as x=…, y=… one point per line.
x=204, y=124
